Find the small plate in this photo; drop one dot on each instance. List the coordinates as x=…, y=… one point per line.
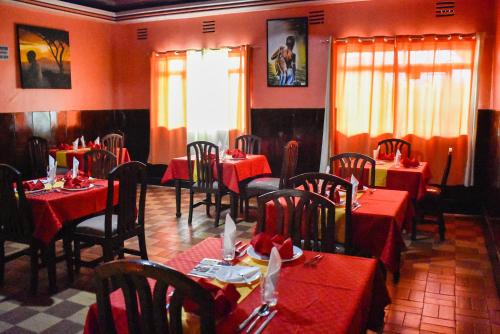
x=237, y=158
x=297, y=252
x=27, y=192
x=221, y=275
x=78, y=189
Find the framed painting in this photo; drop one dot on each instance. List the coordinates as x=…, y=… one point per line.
x=44, y=57
x=287, y=52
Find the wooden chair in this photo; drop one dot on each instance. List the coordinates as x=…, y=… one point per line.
x=114, y=143
x=111, y=230
x=16, y=224
x=432, y=203
x=262, y=185
x=309, y=218
x=98, y=163
x=147, y=307
x=205, y=173
x=38, y=153
x=249, y=144
x=324, y=185
x=391, y=145
x=347, y=164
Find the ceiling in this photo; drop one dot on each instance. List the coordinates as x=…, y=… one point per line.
x=123, y=5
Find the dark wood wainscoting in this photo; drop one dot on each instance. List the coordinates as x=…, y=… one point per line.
x=278, y=126
x=66, y=126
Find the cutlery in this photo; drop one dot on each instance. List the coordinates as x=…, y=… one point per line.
x=263, y=311
x=245, y=279
x=264, y=324
x=315, y=262
x=248, y=319
x=310, y=261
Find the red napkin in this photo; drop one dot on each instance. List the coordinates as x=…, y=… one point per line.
x=30, y=186
x=69, y=174
x=236, y=153
x=410, y=162
x=63, y=146
x=336, y=196
x=387, y=157
x=226, y=298
x=263, y=243
x=93, y=146
x=77, y=183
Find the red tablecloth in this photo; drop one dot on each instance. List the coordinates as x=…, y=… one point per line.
x=70, y=154
x=342, y=294
x=376, y=225
x=53, y=209
x=233, y=171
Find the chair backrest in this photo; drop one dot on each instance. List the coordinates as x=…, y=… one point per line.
x=146, y=306
x=391, y=145
x=98, y=163
x=130, y=213
x=39, y=156
x=114, y=143
x=205, y=163
x=16, y=223
x=289, y=164
x=306, y=217
x=446, y=172
x=347, y=164
x=250, y=144
x=325, y=185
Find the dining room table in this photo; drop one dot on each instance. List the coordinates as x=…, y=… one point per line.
x=377, y=224
x=341, y=294
x=64, y=158
x=234, y=172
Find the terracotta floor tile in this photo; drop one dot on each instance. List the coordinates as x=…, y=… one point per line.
x=412, y=320
x=417, y=296
x=446, y=312
x=438, y=322
x=431, y=328
x=395, y=317
x=431, y=310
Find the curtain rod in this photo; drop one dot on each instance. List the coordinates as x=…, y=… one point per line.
x=217, y=48
x=410, y=37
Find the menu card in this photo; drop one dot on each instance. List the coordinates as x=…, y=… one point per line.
x=207, y=268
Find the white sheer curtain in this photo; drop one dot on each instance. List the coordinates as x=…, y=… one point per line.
x=208, y=102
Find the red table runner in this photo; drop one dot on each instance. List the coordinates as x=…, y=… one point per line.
x=233, y=171
x=53, y=209
x=70, y=154
x=342, y=294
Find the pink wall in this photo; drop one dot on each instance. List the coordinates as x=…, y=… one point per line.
x=131, y=72
x=496, y=73
x=91, y=63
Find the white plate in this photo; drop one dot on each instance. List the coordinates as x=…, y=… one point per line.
x=237, y=158
x=297, y=252
x=78, y=189
x=221, y=275
x=34, y=191
x=380, y=162
x=45, y=180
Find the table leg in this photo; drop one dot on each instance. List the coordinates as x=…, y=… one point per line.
x=234, y=205
x=177, y=198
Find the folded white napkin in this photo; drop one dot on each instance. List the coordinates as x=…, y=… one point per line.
x=51, y=161
x=52, y=172
x=229, y=233
x=75, y=167
x=97, y=141
x=234, y=274
x=327, y=169
x=397, y=157
x=272, y=275
x=355, y=184
x=75, y=144
x=82, y=139
x=375, y=152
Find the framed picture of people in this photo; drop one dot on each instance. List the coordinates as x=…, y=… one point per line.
x=287, y=52
x=44, y=57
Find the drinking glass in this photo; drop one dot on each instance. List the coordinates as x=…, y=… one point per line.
x=268, y=296
x=228, y=254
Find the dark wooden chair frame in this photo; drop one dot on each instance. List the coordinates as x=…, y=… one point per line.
x=147, y=307
x=101, y=163
x=353, y=164
x=250, y=144
x=206, y=159
x=38, y=153
x=130, y=220
x=114, y=143
x=391, y=145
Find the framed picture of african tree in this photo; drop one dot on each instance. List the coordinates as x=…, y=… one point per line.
x=44, y=57
x=287, y=52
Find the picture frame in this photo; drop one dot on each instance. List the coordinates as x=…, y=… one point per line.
x=43, y=57
x=287, y=52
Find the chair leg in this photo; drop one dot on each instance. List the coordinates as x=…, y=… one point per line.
x=247, y=209
x=121, y=252
x=234, y=205
x=107, y=252
x=68, y=253
x=142, y=246
x=191, y=199
x=33, y=251
x=78, y=259
x=50, y=259
x=2, y=262
x=209, y=201
x=217, y=209
x=241, y=205
x=442, y=227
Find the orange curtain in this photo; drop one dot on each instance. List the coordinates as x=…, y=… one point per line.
x=168, y=119
x=418, y=89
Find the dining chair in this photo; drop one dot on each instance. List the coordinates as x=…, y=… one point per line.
x=262, y=185
x=325, y=185
x=432, y=203
x=147, y=307
x=250, y=144
x=205, y=175
x=110, y=230
x=347, y=164
x=98, y=163
x=391, y=145
x=16, y=224
x=306, y=217
x=114, y=143
x=38, y=153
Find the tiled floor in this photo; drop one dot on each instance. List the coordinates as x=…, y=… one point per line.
x=445, y=287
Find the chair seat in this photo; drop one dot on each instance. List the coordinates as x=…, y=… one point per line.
x=263, y=184
x=95, y=226
x=197, y=185
x=432, y=191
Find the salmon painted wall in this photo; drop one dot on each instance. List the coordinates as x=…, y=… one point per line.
x=91, y=63
x=496, y=74
x=380, y=17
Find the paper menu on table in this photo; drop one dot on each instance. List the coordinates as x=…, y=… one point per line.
x=207, y=268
